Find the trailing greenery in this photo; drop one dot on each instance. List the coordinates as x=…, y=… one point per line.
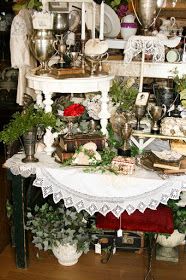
x=50, y=225
x=22, y=122
x=101, y=166
x=179, y=215
x=123, y=94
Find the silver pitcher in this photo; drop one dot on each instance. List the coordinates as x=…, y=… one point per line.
x=42, y=46
x=147, y=13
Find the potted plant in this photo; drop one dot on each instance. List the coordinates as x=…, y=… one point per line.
x=64, y=231
x=168, y=249
x=25, y=124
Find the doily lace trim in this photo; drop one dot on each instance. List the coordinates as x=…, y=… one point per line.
x=103, y=205
x=149, y=44
x=170, y=189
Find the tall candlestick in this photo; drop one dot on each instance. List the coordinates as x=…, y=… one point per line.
x=101, y=22
x=83, y=21
x=93, y=20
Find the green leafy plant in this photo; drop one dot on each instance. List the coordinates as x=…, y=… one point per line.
x=26, y=4
x=180, y=85
x=50, y=225
x=123, y=94
x=22, y=122
x=179, y=215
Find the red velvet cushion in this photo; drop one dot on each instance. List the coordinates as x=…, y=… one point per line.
x=160, y=220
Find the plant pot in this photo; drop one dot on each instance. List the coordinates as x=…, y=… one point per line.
x=168, y=250
x=66, y=254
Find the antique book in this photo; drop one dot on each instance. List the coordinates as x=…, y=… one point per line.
x=61, y=154
x=167, y=165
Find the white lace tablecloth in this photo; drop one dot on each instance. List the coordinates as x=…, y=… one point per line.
x=99, y=192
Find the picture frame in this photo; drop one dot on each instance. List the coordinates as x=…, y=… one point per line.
x=142, y=98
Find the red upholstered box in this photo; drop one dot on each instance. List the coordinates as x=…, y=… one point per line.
x=159, y=220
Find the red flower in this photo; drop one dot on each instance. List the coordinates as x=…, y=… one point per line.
x=74, y=110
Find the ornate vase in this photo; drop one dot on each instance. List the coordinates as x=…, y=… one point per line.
x=66, y=254
x=29, y=142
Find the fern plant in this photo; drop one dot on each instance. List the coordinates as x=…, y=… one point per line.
x=123, y=94
x=22, y=122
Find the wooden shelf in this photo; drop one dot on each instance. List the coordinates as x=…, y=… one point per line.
x=158, y=136
x=151, y=69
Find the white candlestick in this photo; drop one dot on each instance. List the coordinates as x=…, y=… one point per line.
x=83, y=21
x=93, y=20
x=101, y=23
x=142, y=71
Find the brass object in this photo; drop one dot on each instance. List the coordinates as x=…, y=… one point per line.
x=140, y=111
x=156, y=113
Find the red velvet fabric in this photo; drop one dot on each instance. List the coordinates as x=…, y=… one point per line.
x=159, y=220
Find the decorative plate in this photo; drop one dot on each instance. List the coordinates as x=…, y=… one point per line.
x=111, y=22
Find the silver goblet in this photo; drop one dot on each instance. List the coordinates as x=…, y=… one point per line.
x=125, y=150
x=139, y=114
x=74, y=57
x=70, y=121
x=60, y=47
x=156, y=113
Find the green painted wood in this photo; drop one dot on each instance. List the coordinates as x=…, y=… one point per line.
x=19, y=220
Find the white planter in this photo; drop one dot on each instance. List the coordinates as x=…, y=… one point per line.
x=175, y=239
x=168, y=251
x=66, y=254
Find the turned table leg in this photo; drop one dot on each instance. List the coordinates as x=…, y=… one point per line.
x=104, y=114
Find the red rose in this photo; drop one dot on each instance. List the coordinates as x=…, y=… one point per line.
x=74, y=110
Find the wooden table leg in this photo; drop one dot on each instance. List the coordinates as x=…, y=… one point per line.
x=19, y=220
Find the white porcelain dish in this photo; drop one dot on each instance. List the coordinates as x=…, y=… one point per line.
x=112, y=25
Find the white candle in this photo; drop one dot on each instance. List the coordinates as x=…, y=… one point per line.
x=93, y=20
x=142, y=71
x=101, y=23
x=83, y=21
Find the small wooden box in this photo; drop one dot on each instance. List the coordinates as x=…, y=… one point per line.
x=70, y=145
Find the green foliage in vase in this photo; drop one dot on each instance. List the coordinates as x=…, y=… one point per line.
x=22, y=122
x=123, y=94
x=50, y=225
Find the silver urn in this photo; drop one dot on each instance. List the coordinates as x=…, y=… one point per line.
x=42, y=46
